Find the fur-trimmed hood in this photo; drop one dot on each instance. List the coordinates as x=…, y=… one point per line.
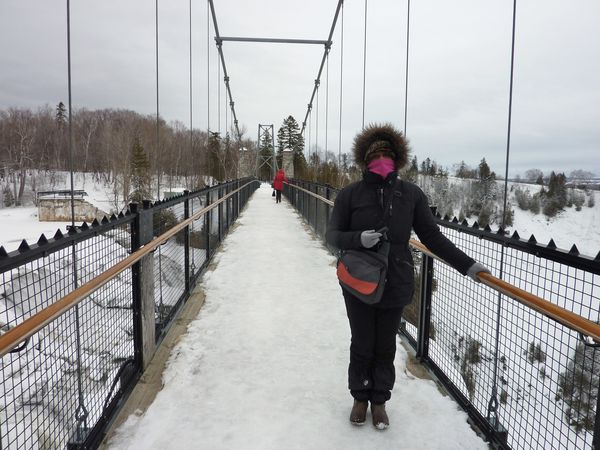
x=373, y=134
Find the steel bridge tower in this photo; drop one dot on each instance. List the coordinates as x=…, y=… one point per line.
x=263, y=158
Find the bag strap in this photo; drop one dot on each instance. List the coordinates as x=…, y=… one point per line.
x=387, y=210
x=384, y=249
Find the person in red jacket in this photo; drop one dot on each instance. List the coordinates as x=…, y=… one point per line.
x=278, y=184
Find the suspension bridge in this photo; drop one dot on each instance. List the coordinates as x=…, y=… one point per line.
x=236, y=299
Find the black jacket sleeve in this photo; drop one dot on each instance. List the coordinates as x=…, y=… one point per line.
x=429, y=233
x=338, y=233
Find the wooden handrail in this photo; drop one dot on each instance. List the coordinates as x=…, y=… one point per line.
x=323, y=199
x=549, y=309
x=33, y=324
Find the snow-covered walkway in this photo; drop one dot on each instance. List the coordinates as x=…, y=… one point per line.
x=264, y=364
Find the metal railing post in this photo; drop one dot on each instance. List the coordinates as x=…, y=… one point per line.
x=207, y=225
x=135, y=287
x=422, y=351
x=186, y=241
x=237, y=200
x=142, y=281
x=304, y=202
x=220, y=212
x=327, y=208
x=304, y=194
x=596, y=440
x=317, y=210
x=227, y=206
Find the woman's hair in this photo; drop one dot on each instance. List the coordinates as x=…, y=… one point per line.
x=378, y=137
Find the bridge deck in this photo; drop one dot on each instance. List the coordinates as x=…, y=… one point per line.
x=263, y=365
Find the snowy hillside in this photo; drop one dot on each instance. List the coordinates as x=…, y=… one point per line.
x=569, y=227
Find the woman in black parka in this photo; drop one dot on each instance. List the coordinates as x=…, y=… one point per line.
x=381, y=150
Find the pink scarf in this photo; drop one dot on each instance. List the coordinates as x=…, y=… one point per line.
x=381, y=166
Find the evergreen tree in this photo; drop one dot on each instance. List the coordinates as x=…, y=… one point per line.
x=484, y=193
x=540, y=180
x=140, y=173
x=9, y=199
x=555, y=199
x=214, y=156
x=576, y=387
x=411, y=174
x=464, y=171
x=426, y=167
x=433, y=169
x=61, y=115
x=556, y=186
x=485, y=173
x=289, y=136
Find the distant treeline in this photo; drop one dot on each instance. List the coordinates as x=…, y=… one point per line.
x=103, y=142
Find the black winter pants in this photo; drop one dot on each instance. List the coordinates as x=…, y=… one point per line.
x=371, y=372
x=278, y=196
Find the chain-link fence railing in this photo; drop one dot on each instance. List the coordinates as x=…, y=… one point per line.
x=62, y=384
x=527, y=381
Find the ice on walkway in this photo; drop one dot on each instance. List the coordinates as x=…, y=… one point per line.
x=264, y=365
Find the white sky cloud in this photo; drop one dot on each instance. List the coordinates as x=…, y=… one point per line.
x=458, y=70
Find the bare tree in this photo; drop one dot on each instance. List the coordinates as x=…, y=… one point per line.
x=86, y=123
x=21, y=132
x=532, y=175
x=581, y=175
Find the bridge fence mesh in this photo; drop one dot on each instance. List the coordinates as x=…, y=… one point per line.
x=61, y=387
x=527, y=381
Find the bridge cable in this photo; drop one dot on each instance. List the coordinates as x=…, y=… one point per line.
x=81, y=412
x=406, y=73
x=309, y=131
x=219, y=98
x=493, y=403
x=219, y=42
x=208, y=88
x=364, y=68
x=157, y=101
x=191, y=87
x=341, y=86
x=327, y=46
x=326, y=105
x=317, y=128
x=160, y=289
x=193, y=265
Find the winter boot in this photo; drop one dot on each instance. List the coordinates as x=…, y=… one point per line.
x=380, y=417
x=358, y=415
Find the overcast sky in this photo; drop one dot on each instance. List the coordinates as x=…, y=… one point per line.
x=459, y=67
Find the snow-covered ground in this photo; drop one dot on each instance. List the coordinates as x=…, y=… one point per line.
x=581, y=228
x=264, y=365
x=21, y=223
x=569, y=227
